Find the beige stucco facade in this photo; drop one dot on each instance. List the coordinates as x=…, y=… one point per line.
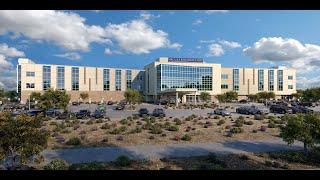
x=90, y=81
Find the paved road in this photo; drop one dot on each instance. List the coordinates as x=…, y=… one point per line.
x=105, y=154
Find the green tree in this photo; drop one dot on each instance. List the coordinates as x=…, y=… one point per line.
x=13, y=95
x=266, y=95
x=35, y=96
x=84, y=96
x=312, y=94
x=231, y=95
x=2, y=93
x=54, y=99
x=253, y=97
x=302, y=127
x=221, y=98
x=132, y=96
x=205, y=96
x=21, y=138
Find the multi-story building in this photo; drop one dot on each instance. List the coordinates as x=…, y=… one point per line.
x=180, y=79
x=101, y=84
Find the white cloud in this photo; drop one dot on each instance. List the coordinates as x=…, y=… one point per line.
x=206, y=41
x=108, y=51
x=144, y=15
x=68, y=30
x=305, y=57
x=215, y=50
x=197, y=22
x=4, y=63
x=230, y=44
x=306, y=82
x=10, y=51
x=71, y=56
x=138, y=37
x=198, y=47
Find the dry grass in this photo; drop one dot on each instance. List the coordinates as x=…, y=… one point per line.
x=211, y=133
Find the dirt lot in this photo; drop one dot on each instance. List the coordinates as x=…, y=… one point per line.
x=133, y=131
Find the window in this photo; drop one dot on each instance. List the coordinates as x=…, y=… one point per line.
x=118, y=80
x=179, y=76
x=106, y=79
x=224, y=86
x=290, y=77
x=30, y=74
x=271, y=80
x=60, y=78
x=260, y=80
x=46, y=77
x=19, y=79
x=128, y=78
x=224, y=76
x=280, y=80
x=75, y=79
x=235, y=79
x=290, y=86
x=29, y=85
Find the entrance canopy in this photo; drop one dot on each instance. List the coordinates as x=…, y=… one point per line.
x=179, y=90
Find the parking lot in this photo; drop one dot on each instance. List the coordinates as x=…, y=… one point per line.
x=170, y=112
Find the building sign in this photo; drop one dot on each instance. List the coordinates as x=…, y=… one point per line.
x=172, y=59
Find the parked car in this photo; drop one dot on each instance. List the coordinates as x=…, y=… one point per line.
x=98, y=114
x=248, y=110
x=52, y=112
x=110, y=103
x=306, y=104
x=158, y=112
x=63, y=115
x=34, y=113
x=243, y=101
x=222, y=112
x=300, y=109
x=281, y=109
x=82, y=114
x=143, y=112
x=120, y=107
x=75, y=103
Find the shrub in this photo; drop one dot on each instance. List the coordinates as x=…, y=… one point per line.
x=105, y=126
x=104, y=140
x=285, y=166
x=163, y=134
x=95, y=128
x=259, y=117
x=177, y=121
x=129, y=118
x=186, y=137
x=271, y=125
x=99, y=121
x=74, y=141
x=268, y=163
x=173, y=128
x=228, y=127
x=254, y=131
x=239, y=123
x=236, y=130
x=82, y=132
x=135, y=117
x=248, y=122
x=155, y=129
x=151, y=137
x=221, y=122
x=123, y=121
x=139, y=122
x=89, y=122
x=53, y=123
x=176, y=137
x=57, y=164
x=136, y=130
x=244, y=157
x=208, y=123
x=216, y=117
x=119, y=138
x=66, y=131
x=123, y=161
x=263, y=128
x=119, y=130
x=107, y=118
x=75, y=127
x=241, y=118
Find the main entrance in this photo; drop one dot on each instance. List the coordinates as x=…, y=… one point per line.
x=181, y=95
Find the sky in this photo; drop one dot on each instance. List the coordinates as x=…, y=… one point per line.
x=132, y=39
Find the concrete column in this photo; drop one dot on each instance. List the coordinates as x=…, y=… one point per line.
x=195, y=98
x=177, y=98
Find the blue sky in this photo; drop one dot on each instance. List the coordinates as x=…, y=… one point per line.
x=132, y=39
